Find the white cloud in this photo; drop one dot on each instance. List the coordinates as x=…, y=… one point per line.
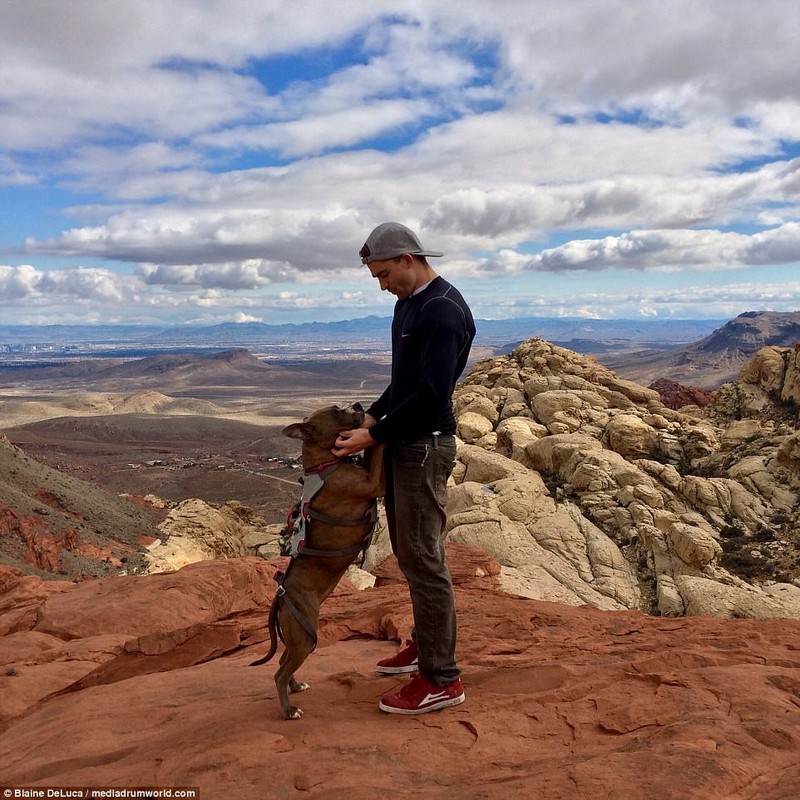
x=707, y=249
x=80, y=283
x=342, y=127
x=688, y=302
x=267, y=219
x=238, y=276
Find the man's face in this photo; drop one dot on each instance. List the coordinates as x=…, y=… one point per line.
x=395, y=275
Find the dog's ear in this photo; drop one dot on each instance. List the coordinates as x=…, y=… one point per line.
x=298, y=430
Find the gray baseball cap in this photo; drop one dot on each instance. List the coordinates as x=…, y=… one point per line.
x=390, y=240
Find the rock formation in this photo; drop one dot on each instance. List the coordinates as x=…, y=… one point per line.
x=675, y=395
x=198, y=531
x=587, y=489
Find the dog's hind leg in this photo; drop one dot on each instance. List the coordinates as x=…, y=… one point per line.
x=295, y=686
x=299, y=646
x=286, y=682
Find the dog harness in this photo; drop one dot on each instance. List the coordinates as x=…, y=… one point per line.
x=298, y=521
x=298, y=525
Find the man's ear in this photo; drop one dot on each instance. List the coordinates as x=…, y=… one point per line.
x=298, y=430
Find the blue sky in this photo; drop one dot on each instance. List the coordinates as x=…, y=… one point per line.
x=165, y=162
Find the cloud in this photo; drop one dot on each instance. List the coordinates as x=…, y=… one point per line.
x=226, y=152
x=307, y=135
x=81, y=283
x=237, y=276
x=702, y=249
x=263, y=216
x=689, y=302
x=84, y=294
x=326, y=240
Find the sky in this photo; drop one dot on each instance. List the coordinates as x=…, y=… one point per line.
x=164, y=161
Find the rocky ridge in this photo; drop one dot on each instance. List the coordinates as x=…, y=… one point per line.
x=587, y=489
x=53, y=524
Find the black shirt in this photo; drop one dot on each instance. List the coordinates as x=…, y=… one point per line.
x=432, y=333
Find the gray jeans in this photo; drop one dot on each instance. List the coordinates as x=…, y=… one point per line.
x=416, y=495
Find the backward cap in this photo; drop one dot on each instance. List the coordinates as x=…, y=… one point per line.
x=390, y=240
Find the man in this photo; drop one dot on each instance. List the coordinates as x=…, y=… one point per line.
x=432, y=332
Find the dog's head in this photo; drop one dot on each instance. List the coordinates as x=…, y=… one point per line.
x=323, y=426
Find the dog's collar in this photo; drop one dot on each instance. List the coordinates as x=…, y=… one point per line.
x=322, y=467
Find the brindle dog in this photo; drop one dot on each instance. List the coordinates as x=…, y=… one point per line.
x=340, y=519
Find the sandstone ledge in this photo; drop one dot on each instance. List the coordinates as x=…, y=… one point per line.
x=562, y=702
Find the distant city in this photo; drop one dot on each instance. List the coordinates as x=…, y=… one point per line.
x=367, y=337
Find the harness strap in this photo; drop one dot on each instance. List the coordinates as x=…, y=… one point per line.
x=282, y=594
x=370, y=516
x=323, y=470
x=298, y=520
x=303, y=513
x=359, y=547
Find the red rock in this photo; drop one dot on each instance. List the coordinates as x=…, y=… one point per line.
x=44, y=548
x=561, y=702
x=54, y=501
x=675, y=395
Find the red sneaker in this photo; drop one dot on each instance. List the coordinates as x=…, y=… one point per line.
x=404, y=661
x=421, y=696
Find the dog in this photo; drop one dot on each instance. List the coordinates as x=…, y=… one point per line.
x=336, y=518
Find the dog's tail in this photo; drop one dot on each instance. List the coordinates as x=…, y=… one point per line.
x=272, y=623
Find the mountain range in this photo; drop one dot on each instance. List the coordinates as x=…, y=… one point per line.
x=702, y=353
x=491, y=332
x=716, y=358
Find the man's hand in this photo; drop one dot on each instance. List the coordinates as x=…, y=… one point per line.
x=355, y=440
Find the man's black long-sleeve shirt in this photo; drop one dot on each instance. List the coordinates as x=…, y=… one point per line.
x=432, y=333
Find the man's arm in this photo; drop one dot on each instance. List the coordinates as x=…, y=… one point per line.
x=380, y=406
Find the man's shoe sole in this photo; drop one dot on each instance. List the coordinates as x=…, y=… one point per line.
x=397, y=670
x=451, y=701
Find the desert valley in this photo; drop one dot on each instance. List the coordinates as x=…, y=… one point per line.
x=624, y=537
